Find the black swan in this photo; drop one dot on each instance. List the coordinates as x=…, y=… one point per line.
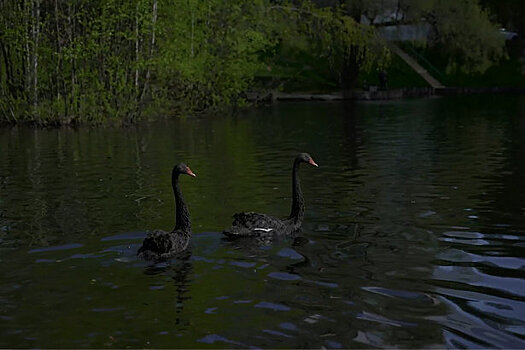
x=160, y=245
x=256, y=224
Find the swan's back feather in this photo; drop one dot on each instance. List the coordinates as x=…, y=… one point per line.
x=254, y=224
x=161, y=245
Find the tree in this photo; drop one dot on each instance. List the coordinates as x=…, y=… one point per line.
x=212, y=50
x=509, y=13
x=331, y=34
x=462, y=29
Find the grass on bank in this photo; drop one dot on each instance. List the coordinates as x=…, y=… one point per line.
x=304, y=73
x=507, y=73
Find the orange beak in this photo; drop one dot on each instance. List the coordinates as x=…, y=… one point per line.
x=189, y=172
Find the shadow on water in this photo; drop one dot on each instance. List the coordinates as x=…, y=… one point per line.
x=414, y=232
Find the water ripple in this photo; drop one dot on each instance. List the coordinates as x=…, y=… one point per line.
x=272, y=306
x=56, y=248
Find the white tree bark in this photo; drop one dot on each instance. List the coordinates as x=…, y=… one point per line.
x=36, y=32
x=192, y=31
x=137, y=51
x=28, y=71
x=152, y=47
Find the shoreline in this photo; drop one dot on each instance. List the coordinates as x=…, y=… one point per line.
x=271, y=97
x=374, y=94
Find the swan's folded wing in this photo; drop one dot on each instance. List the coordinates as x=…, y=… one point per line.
x=156, y=241
x=250, y=224
x=159, y=245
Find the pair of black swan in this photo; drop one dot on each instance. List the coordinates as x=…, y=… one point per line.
x=161, y=245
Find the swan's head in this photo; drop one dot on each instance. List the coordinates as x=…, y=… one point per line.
x=182, y=168
x=306, y=158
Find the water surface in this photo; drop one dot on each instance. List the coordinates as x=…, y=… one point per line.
x=414, y=235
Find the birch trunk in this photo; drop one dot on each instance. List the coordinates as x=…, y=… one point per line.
x=58, y=51
x=72, y=59
x=137, y=52
x=36, y=30
x=152, y=47
x=27, y=52
x=192, y=31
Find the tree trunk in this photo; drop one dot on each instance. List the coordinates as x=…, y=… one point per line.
x=72, y=59
x=58, y=51
x=192, y=31
x=27, y=53
x=136, y=52
x=152, y=47
x=350, y=68
x=36, y=32
x=351, y=61
x=8, y=70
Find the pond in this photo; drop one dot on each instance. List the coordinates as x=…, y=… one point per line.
x=414, y=231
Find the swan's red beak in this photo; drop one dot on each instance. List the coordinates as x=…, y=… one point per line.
x=311, y=161
x=189, y=172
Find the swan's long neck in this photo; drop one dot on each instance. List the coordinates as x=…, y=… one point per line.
x=182, y=215
x=297, y=211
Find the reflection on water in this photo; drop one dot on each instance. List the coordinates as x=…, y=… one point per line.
x=414, y=234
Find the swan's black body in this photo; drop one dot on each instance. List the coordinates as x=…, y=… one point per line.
x=161, y=245
x=255, y=224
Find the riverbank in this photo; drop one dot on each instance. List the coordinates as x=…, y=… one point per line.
x=254, y=98
x=375, y=94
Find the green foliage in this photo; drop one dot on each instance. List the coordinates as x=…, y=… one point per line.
x=114, y=61
x=509, y=13
x=337, y=37
x=468, y=37
x=85, y=59
x=463, y=30
x=211, y=51
x=506, y=73
x=400, y=75
x=317, y=45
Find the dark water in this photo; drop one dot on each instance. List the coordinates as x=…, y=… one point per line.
x=414, y=234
